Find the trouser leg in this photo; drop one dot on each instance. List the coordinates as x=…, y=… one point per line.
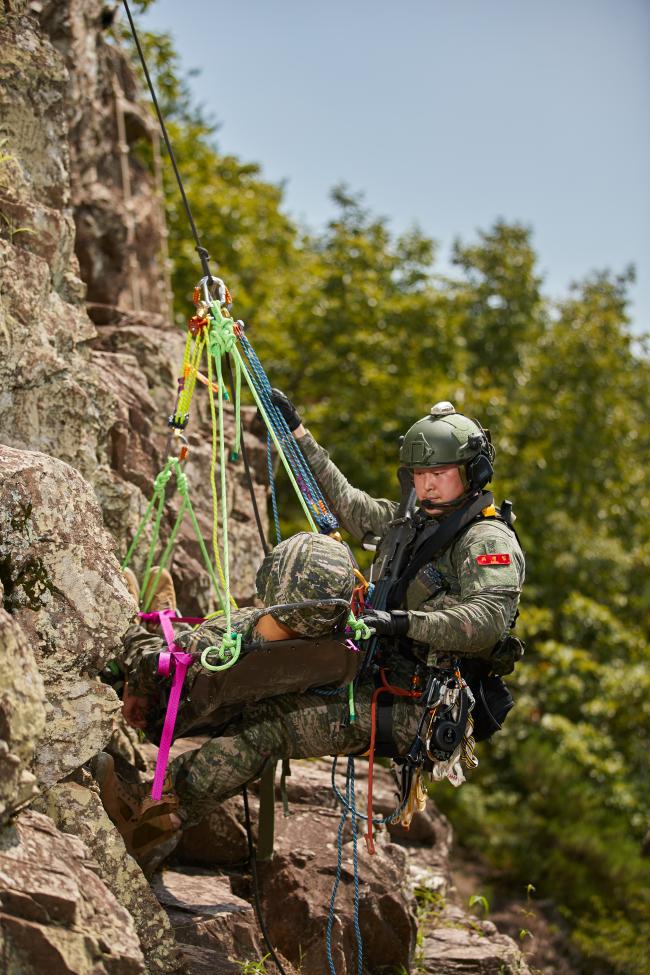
x=289, y=726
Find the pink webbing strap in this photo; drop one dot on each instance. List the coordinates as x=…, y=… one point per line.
x=180, y=661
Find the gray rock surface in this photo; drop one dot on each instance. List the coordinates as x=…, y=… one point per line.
x=22, y=716
x=56, y=915
x=76, y=809
x=63, y=587
x=461, y=945
x=206, y=915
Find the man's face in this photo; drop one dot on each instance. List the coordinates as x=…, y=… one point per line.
x=437, y=484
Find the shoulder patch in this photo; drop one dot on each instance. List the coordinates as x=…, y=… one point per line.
x=498, y=558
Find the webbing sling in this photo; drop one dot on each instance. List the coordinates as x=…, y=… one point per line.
x=427, y=549
x=266, y=816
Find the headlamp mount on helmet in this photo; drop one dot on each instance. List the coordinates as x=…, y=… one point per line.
x=444, y=438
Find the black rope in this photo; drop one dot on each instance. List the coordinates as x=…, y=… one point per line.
x=204, y=257
x=256, y=888
x=249, y=476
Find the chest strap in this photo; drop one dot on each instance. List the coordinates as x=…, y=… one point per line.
x=434, y=544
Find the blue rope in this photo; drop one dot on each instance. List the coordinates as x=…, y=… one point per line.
x=350, y=805
x=355, y=862
x=293, y=452
x=309, y=486
x=344, y=802
x=329, y=691
x=274, y=497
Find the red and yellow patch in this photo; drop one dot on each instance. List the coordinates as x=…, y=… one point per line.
x=501, y=558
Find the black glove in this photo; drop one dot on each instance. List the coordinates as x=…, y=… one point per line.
x=505, y=655
x=286, y=408
x=394, y=623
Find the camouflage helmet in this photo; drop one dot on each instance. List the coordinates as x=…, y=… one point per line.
x=307, y=566
x=447, y=437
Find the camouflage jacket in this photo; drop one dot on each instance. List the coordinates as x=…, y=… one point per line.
x=141, y=649
x=460, y=604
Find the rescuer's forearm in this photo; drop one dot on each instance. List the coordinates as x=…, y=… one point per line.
x=357, y=511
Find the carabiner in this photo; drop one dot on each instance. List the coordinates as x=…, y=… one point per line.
x=214, y=289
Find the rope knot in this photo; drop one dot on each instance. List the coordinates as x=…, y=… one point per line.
x=161, y=480
x=360, y=630
x=228, y=653
x=222, y=335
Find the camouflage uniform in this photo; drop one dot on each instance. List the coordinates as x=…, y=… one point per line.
x=457, y=605
x=286, y=726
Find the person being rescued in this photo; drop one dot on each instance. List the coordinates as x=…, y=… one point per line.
x=460, y=604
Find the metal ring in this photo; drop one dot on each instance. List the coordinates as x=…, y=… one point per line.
x=211, y=283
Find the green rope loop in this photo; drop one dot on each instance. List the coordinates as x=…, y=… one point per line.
x=229, y=645
x=360, y=630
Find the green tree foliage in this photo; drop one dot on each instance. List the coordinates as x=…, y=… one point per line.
x=355, y=324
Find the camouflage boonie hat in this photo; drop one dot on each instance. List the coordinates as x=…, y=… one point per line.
x=307, y=566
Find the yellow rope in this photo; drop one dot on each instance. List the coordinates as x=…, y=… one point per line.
x=191, y=363
x=213, y=485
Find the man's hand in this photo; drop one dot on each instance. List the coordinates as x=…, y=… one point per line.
x=134, y=708
x=286, y=408
x=394, y=623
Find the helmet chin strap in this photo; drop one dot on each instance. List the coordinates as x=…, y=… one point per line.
x=427, y=504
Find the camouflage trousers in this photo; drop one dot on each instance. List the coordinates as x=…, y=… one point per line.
x=287, y=726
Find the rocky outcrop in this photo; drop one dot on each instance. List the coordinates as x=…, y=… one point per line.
x=22, y=717
x=90, y=354
x=76, y=809
x=56, y=916
x=87, y=377
x=210, y=923
x=401, y=931
x=63, y=587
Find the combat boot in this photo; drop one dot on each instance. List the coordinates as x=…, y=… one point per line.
x=132, y=584
x=164, y=596
x=151, y=830
x=134, y=589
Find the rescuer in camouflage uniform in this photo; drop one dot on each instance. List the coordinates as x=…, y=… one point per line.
x=463, y=603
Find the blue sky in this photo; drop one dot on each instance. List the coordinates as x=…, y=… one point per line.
x=445, y=113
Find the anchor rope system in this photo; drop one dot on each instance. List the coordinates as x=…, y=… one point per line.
x=213, y=335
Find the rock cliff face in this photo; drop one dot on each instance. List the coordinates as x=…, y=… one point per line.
x=88, y=374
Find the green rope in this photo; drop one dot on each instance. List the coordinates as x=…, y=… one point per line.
x=171, y=466
x=222, y=342
x=160, y=486
x=204, y=551
x=161, y=480
x=228, y=652
x=213, y=483
x=164, y=558
x=360, y=630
